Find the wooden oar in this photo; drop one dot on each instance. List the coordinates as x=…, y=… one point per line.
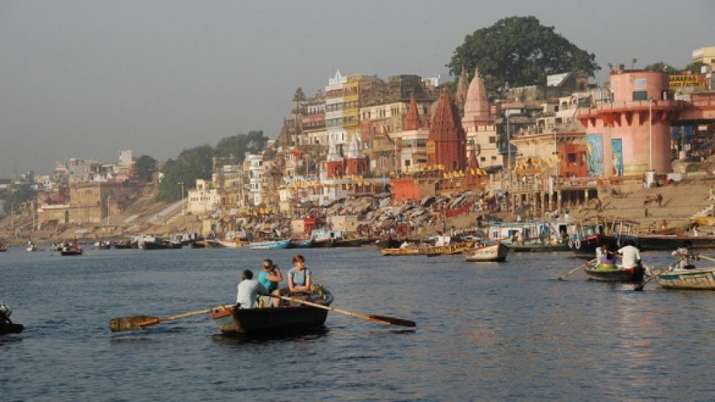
x=639, y=287
x=369, y=317
x=585, y=264
x=135, y=322
x=705, y=257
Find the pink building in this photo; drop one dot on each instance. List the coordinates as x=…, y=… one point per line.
x=631, y=134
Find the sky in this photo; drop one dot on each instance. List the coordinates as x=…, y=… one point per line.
x=87, y=78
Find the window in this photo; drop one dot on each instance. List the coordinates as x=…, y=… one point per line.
x=483, y=159
x=571, y=157
x=640, y=95
x=494, y=158
x=492, y=140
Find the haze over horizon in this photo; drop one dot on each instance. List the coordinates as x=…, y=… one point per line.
x=88, y=78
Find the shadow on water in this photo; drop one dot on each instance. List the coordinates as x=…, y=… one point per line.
x=242, y=339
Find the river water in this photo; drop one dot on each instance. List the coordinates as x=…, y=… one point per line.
x=485, y=331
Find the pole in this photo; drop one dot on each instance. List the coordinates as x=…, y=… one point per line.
x=107, y=223
x=508, y=147
x=650, y=134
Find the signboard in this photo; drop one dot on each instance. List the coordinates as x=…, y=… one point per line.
x=679, y=81
x=594, y=154
x=617, y=152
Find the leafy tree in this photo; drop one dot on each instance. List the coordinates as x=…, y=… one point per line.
x=191, y=164
x=520, y=51
x=235, y=147
x=145, y=167
x=661, y=66
x=694, y=67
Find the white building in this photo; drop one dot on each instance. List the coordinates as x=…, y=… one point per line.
x=203, y=199
x=254, y=165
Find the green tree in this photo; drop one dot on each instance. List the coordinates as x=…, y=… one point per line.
x=694, y=68
x=191, y=164
x=520, y=51
x=145, y=167
x=235, y=147
x=661, y=66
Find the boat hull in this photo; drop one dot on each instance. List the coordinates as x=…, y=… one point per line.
x=394, y=252
x=688, y=279
x=631, y=275
x=451, y=249
x=300, y=243
x=69, y=253
x=11, y=328
x=537, y=248
x=495, y=253
x=349, y=243
x=269, y=245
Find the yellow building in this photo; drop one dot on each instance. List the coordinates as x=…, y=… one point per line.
x=705, y=55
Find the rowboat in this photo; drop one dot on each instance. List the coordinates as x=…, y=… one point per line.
x=6, y=325
x=692, y=279
x=269, y=245
x=496, y=252
x=597, y=272
x=272, y=320
x=229, y=243
x=391, y=252
x=449, y=249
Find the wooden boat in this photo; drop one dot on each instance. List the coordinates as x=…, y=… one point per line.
x=10, y=328
x=535, y=247
x=3, y=248
x=198, y=244
x=269, y=245
x=496, y=252
x=349, y=243
x=273, y=321
x=690, y=279
x=298, y=243
x=68, y=251
x=631, y=275
x=391, y=252
x=121, y=245
x=229, y=243
x=388, y=243
x=31, y=247
x=449, y=249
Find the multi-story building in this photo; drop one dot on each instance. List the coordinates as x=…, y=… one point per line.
x=253, y=166
x=413, y=139
x=203, y=199
x=314, y=132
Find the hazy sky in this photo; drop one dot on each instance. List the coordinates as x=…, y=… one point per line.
x=88, y=78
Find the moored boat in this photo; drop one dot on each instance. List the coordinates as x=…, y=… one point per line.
x=447, y=249
x=492, y=253
x=688, y=279
x=533, y=247
x=70, y=251
x=600, y=273
x=230, y=243
x=349, y=243
x=300, y=243
x=273, y=321
x=269, y=245
x=408, y=250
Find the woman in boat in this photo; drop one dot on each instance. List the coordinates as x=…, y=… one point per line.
x=299, y=277
x=686, y=258
x=270, y=278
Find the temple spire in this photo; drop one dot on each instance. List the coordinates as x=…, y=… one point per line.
x=412, y=120
x=462, y=89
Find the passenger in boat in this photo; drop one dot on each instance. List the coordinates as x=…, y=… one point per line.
x=270, y=278
x=630, y=256
x=607, y=259
x=686, y=258
x=248, y=290
x=299, y=277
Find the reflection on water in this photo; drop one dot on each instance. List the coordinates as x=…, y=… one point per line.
x=484, y=331
x=248, y=339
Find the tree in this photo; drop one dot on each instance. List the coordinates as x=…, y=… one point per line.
x=661, y=66
x=694, y=68
x=520, y=51
x=191, y=164
x=236, y=146
x=145, y=167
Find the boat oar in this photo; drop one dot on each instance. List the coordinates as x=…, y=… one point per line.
x=705, y=257
x=369, y=317
x=639, y=287
x=135, y=322
x=585, y=264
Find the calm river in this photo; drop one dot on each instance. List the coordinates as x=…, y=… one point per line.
x=485, y=331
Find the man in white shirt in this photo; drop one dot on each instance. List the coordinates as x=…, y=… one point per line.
x=248, y=290
x=630, y=256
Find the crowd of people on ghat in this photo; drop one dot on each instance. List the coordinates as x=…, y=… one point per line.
x=265, y=290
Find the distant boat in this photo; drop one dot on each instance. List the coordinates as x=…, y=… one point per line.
x=31, y=247
x=229, y=243
x=296, y=243
x=269, y=245
x=70, y=251
x=493, y=253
